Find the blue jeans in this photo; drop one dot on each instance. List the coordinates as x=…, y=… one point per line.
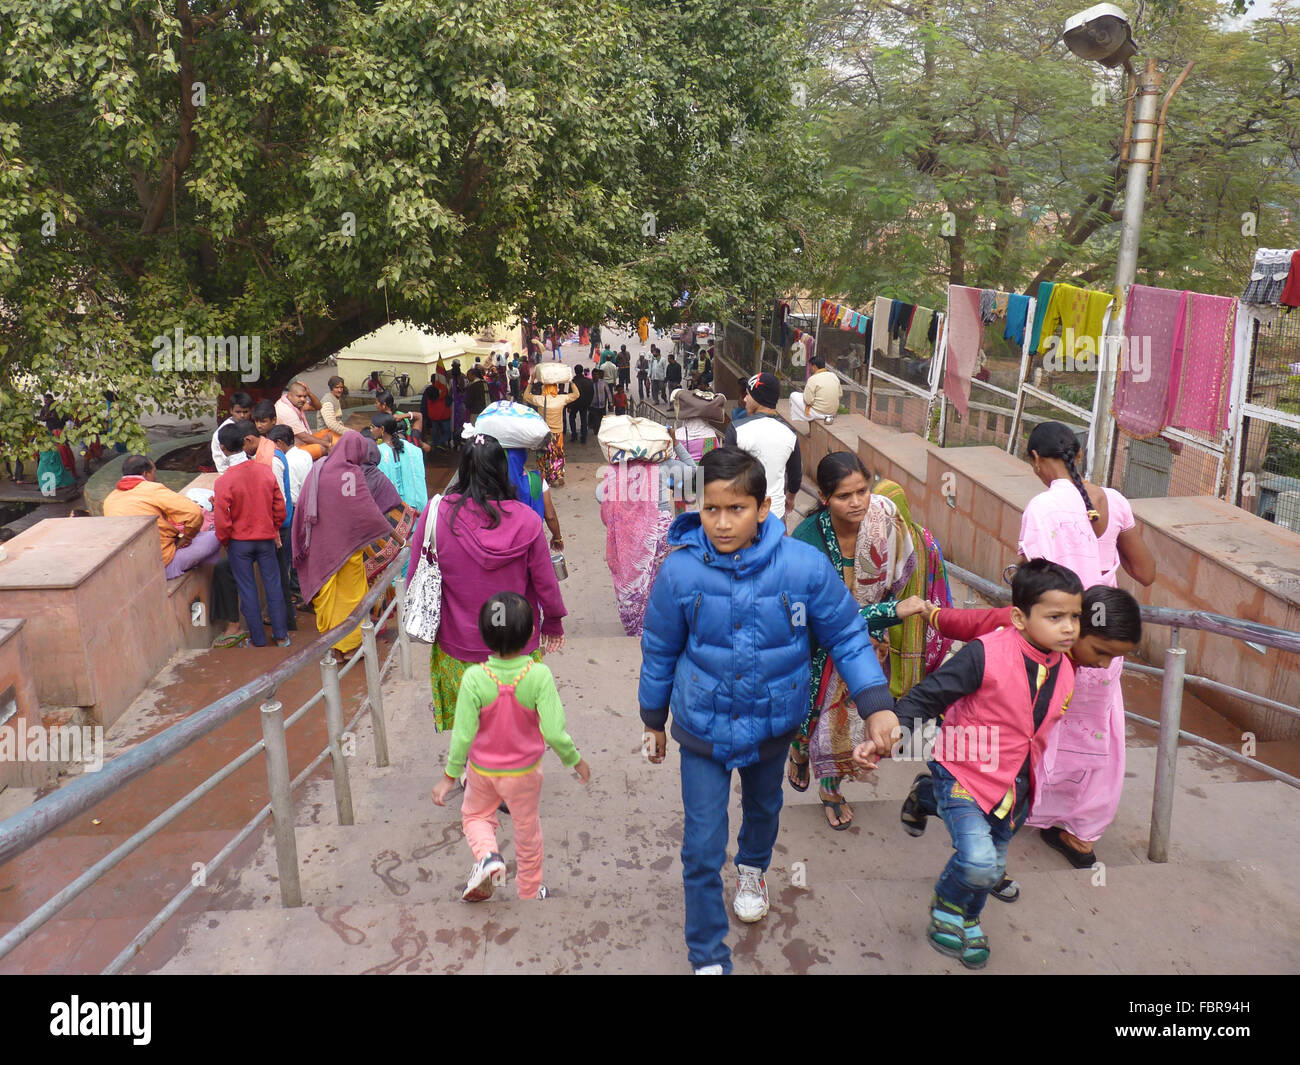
x=442, y=432
x=243, y=555
x=706, y=789
x=980, y=841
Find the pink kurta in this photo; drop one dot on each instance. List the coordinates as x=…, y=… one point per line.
x=1084, y=763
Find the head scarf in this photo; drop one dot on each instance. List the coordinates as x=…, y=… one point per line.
x=335, y=516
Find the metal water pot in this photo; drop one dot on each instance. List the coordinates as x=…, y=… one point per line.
x=557, y=563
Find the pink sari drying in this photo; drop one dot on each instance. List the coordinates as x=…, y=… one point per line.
x=1083, y=766
x=965, y=334
x=1149, y=328
x=1202, y=364
x=636, y=538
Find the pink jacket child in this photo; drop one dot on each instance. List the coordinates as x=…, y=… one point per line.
x=477, y=561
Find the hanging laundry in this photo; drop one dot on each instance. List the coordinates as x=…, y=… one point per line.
x=1269, y=275
x=932, y=334
x=1040, y=311
x=899, y=326
x=965, y=334
x=846, y=323
x=880, y=328
x=1142, y=385
x=1202, y=363
x=1017, y=314
x=1290, y=296
x=988, y=301
x=1000, y=304
x=918, y=333
x=1079, y=313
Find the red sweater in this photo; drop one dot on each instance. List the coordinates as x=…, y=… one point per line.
x=247, y=504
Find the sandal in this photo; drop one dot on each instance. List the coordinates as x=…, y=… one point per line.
x=946, y=932
x=799, y=775
x=1007, y=891
x=835, y=808
x=975, y=953
x=231, y=639
x=1078, y=859
x=912, y=815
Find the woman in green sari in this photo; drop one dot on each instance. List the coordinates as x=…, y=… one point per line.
x=844, y=528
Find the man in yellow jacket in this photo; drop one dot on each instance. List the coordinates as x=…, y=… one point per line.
x=180, y=519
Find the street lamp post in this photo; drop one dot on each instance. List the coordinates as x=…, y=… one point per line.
x=1101, y=34
x=1141, y=153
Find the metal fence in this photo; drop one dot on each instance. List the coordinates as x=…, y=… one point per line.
x=30, y=826
x=1268, y=482
x=1174, y=677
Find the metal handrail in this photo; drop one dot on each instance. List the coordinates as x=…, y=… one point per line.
x=28, y=827
x=1173, y=677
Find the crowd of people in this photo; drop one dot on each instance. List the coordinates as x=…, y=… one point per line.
x=786, y=656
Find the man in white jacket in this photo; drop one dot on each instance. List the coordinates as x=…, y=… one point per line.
x=767, y=436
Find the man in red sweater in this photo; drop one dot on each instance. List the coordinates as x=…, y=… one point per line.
x=249, y=511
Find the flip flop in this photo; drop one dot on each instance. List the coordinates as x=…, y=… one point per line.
x=799, y=776
x=1078, y=859
x=233, y=639
x=835, y=807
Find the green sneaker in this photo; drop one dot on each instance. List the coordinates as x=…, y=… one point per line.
x=976, y=953
x=946, y=933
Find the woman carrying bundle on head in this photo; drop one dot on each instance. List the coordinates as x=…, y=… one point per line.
x=547, y=397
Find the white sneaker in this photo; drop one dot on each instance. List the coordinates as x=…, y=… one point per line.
x=709, y=970
x=487, y=873
x=542, y=893
x=751, y=894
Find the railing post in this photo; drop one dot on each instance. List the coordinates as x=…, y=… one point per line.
x=329, y=675
x=374, y=691
x=403, y=640
x=1171, y=710
x=277, y=772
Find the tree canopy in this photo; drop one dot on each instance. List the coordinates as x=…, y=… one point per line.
x=301, y=172
x=969, y=146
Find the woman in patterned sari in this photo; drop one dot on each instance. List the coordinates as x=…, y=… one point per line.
x=638, y=501
x=844, y=528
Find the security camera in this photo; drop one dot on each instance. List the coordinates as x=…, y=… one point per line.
x=1100, y=34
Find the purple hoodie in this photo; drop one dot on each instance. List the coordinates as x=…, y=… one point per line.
x=477, y=562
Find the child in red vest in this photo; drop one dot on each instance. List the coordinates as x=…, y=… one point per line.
x=507, y=713
x=1000, y=696
x=620, y=400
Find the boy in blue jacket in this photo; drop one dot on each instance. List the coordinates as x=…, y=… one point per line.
x=725, y=647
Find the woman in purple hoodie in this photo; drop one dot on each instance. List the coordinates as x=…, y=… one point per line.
x=486, y=542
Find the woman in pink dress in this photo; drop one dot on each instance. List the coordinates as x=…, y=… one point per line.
x=1091, y=530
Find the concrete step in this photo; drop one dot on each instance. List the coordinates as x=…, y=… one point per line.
x=1064, y=922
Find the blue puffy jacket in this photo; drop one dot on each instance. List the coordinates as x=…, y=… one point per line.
x=725, y=644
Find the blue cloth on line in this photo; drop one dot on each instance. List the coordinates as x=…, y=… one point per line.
x=1017, y=316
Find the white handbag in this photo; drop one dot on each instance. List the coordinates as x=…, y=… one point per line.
x=423, y=611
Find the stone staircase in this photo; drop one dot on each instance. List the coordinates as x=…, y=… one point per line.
x=382, y=896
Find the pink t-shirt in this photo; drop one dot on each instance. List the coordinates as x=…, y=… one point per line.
x=287, y=414
x=1055, y=526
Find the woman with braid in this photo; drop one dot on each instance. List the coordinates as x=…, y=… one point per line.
x=1091, y=531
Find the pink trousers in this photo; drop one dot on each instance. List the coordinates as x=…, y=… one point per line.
x=478, y=816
